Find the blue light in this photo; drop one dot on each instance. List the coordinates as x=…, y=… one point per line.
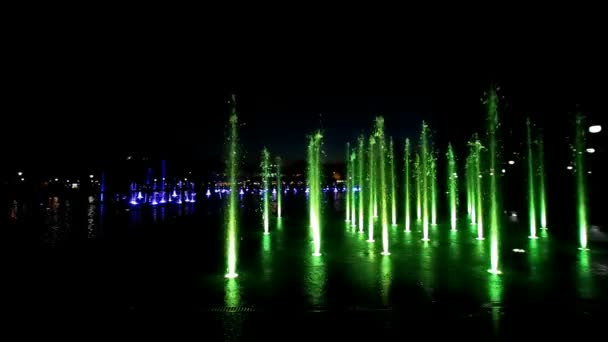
x=174, y=194
x=274, y=191
x=241, y=192
x=208, y=193
x=295, y=191
x=154, y=202
x=307, y=190
x=134, y=202
x=139, y=195
x=162, y=200
x=335, y=190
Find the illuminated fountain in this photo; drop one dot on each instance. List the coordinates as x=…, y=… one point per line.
x=581, y=191
x=393, y=185
x=266, y=189
x=452, y=187
x=542, y=196
x=232, y=212
x=314, y=182
x=418, y=176
x=279, y=193
x=382, y=191
x=406, y=185
x=351, y=188
x=361, y=152
x=348, y=181
x=493, y=191
x=424, y=183
x=433, y=179
x=531, y=188
x=371, y=193
x=476, y=176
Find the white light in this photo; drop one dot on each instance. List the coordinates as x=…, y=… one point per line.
x=518, y=250
x=19, y=173
x=589, y=172
x=569, y=167
x=23, y=179
x=91, y=176
x=591, y=150
x=511, y=162
x=503, y=170
x=185, y=179
x=595, y=129
x=155, y=179
x=56, y=179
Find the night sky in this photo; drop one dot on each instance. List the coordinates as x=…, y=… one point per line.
x=164, y=93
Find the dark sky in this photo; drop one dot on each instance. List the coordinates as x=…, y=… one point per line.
x=163, y=91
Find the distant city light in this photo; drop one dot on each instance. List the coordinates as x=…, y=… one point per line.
x=511, y=162
x=19, y=173
x=518, y=250
x=569, y=167
x=591, y=150
x=91, y=176
x=155, y=179
x=503, y=170
x=23, y=179
x=595, y=129
x=56, y=179
x=589, y=172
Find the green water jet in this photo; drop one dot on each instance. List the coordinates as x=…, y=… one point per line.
x=314, y=184
x=382, y=191
x=424, y=174
x=361, y=152
x=531, y=188
x=452, y=187
x=493, y=191
x=406, y=185
x=370, y=195
x=232, y=219
x=347, y=181
x=541, y=183
x=266, y=186
x=581, y=191
x=279, y=188
x=391, y=161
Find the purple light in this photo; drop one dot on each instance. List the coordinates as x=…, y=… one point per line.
x=241, y=192
x=134, y=202
x=162, y=200
x=208, y=193
x=295, y=191
x=139, y=195
x=170, y=200
x=174, y=194
x=274, y=191
x=154, y=202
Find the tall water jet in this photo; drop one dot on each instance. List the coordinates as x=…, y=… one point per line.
x=472, y=183
x=266, y=188
x=406, y=185
x=361, y=151
x=314, y=196
x=452, y=187
x=433, y=179
x=478, y=189
x=493, y=188
x=351, y=188
x=581, y=191
x=542, y=196
x=391, y=161
x=531, y=188
x=382, y=191
x=424, y=174
x=418, y=176
x=347, y=181
x=232, y=163
x=279, y=192
x=371, y=191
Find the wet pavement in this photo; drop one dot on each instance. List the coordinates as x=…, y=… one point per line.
x=150, y=273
